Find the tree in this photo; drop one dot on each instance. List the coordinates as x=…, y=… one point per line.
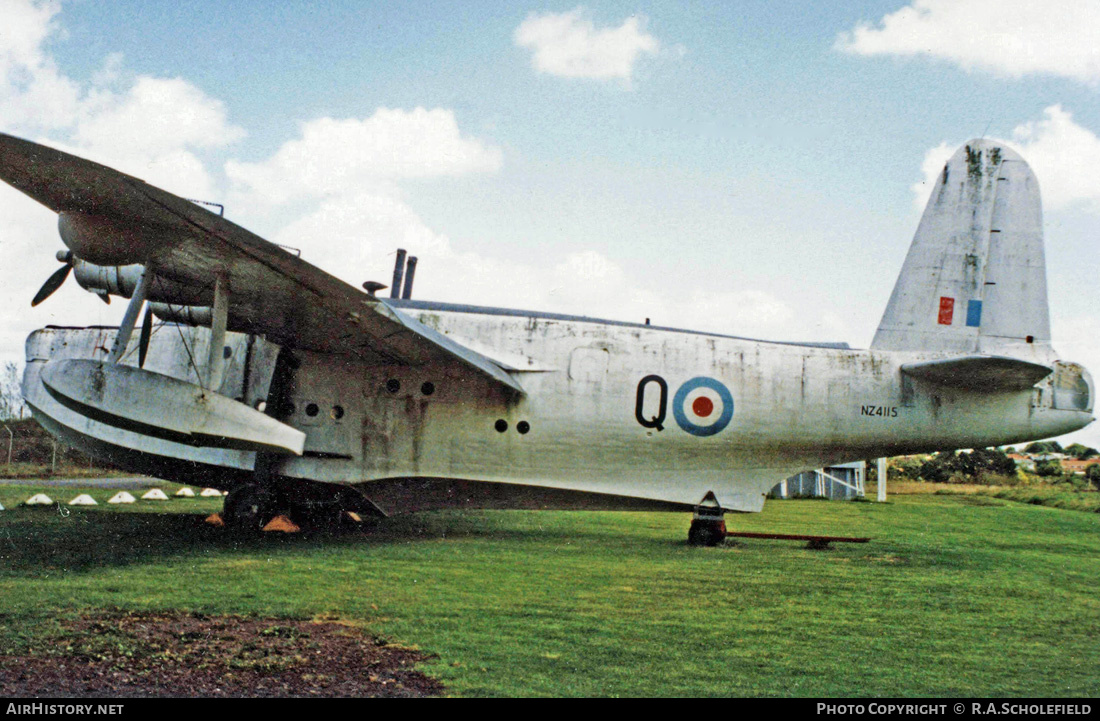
x=1092, y=473
x=1044, y=447
x=934, y=470
x=11, y=396
x=1081, y=452
x=1048, y=469
x=988, y=460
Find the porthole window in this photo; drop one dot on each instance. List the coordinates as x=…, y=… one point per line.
x=227, y=352
x=337, y=412
x=393, y=385
x=523, y=426
x=312, y=410
x=427, y=388
x=501, y=425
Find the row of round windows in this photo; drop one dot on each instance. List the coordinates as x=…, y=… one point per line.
x=337, y=412
x=393, y=386
x=313, y=410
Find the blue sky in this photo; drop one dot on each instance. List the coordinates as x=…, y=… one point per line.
x=743, y=167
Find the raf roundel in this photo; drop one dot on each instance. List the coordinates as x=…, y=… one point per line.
x=702, y=406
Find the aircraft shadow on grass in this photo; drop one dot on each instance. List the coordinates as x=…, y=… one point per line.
x=36, y=542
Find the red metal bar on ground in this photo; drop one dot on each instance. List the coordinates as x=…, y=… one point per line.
x=789, y=537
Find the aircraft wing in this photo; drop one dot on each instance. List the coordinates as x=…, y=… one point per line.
x=271, y=291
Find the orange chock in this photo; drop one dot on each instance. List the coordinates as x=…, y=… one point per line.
x=355, y=516
x=282, y=524
x=215, y=520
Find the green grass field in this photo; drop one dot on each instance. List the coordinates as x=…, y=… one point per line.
x=956, y=595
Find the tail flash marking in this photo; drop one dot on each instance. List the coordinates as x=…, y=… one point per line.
x=974, y=314
x=947, y=310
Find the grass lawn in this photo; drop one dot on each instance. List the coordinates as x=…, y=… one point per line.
x=956, y=595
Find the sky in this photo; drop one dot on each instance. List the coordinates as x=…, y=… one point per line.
x=752, y=168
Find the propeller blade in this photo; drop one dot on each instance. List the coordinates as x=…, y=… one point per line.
x=52, y=284
x=143, y=339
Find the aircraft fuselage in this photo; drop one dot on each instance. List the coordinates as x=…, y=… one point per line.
x=625, y=410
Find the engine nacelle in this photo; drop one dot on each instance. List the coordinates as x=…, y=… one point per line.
x=105, y=241
x=121, y=280
x=197, y=315
x=111, y=279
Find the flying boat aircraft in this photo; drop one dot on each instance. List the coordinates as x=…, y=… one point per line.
x=257, y=373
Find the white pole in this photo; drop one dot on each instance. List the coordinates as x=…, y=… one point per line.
x=881, y=480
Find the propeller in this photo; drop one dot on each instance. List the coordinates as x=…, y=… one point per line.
x=56, y=279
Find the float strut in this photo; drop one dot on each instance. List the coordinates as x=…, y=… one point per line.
x=218, y=322
x=129, y=320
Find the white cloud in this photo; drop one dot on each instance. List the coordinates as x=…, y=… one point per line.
x=930, y=168
x=152, y=130
x=569, y=45
x=155, y=113
x=1011, y=38
x=353, y=235
x=332, y=155
x=1064, y=155
x=26, y=26
x=32, y=90
x=142, y=125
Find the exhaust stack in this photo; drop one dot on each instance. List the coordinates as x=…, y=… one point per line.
x=398, y=273
x=409, y=273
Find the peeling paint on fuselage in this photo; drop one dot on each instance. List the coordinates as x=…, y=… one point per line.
x=796, y=407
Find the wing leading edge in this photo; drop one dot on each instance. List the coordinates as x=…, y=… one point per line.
x=272, y=292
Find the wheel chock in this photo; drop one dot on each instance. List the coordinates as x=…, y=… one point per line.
x=282, y=524
x=215, y=519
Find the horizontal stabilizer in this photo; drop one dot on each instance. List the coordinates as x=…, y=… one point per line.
x=980, y=373
x=163, y=407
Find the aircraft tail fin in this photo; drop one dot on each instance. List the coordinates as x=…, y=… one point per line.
x=974, y=280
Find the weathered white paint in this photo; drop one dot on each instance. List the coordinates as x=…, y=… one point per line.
x=796, y=408
x=980, y=240
x=128, y=397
